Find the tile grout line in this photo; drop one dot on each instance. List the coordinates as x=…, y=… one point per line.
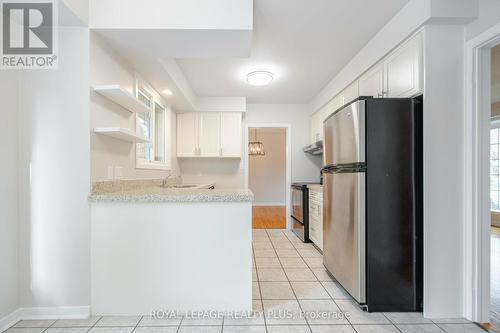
x=93, y=325
x=138, y=322
x=331, y=297
x=291, y=287
x=180, y=324
x=258, y=283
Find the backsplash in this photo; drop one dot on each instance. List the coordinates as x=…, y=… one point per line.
x=110, y=186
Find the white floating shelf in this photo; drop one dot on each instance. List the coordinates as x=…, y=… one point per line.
x=120, y=133
x=122, y=97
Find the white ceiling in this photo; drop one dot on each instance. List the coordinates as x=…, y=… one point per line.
x=495, y=74
x=304, y=43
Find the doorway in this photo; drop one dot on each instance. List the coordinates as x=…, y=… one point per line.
x=482, y=153
x=495, y=190
x=267, y=175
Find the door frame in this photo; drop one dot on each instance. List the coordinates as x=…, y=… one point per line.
x=288, y=167
x=476, y=175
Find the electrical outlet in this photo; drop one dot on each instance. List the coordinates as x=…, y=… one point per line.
x=118, y=172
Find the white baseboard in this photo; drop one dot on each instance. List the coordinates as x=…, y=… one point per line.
x=10, y=319
x=40, y=313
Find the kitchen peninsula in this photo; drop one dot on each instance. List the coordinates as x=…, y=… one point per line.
x=156, y=248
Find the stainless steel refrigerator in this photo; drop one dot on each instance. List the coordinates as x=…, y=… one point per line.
x=372, y=238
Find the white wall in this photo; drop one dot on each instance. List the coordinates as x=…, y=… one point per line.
x=443, y=187
x=226, y=173
x=54, y=179
x=9, y=148
x=267, y=174
x=408, y=20
x=489, y=15
x=305, y=167
x=106, y=67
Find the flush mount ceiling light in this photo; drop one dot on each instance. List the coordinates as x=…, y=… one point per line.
x=259, y=78
x=167, y=92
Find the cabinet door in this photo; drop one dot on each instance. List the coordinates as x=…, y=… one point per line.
x=402, y=70
x=187, y=141
x=350, y=93
x=315, y=129
x=230, y=134
x=209, y=134
x=312, y=129
x=316, y=217
x=372, y=82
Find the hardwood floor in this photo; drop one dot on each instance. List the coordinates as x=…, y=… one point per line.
x=495, y=280
x=269, y=217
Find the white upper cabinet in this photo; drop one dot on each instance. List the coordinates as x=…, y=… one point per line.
x=315, y=128
x=209, y=134
x=333, y=106
x=230, y=134
x=350, y=93
x=319, y=117
x=402, y=70
x=399, y=74
x=187, y=135
x=372, y=82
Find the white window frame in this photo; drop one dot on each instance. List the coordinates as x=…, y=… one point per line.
x=495, y=123
x=146, y=89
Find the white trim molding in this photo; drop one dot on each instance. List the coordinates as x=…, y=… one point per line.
x=476, y=175
x=41, y=313
x=288, y=178
x=9, y=320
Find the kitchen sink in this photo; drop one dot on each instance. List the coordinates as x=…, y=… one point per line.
x=190, y=186
x=184, y=186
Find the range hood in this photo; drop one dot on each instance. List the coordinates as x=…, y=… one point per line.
x=314, y=149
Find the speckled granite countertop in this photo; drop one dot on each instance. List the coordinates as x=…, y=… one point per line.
x=160, y=194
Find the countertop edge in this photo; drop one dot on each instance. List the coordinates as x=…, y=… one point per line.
x=172, y=198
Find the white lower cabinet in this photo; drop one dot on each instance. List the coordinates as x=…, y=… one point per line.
x=316, y=216
x=209, y=134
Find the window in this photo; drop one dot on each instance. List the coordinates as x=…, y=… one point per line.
x=153, y=126
x=495, y=167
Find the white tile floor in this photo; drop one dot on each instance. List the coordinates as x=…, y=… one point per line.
x=288, y=275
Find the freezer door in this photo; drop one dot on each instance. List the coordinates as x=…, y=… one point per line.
x=344, y=141
x=344, y=231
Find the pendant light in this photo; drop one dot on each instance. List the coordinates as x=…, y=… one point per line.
x=256, y=148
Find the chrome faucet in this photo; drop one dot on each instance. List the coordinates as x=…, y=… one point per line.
x=165, y=180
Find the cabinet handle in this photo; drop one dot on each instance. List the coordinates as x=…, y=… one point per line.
x=319, y=211
x=220, y=152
